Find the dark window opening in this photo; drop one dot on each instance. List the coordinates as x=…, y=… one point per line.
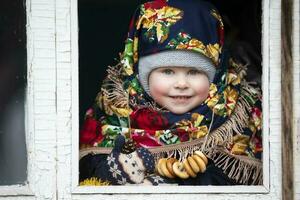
x=13, y=73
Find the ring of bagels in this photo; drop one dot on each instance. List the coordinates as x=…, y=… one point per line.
x=190, y=167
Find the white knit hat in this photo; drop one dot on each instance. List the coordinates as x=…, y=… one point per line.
x=174, y=58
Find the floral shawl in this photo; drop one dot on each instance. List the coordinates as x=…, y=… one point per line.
x=227, y=126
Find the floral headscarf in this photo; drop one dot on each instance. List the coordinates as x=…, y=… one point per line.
x=227, y=125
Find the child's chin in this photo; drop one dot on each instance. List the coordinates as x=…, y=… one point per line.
x=179, y=111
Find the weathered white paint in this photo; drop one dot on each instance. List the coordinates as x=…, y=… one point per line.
x=42, y=81
x=15, y=190
x=65, y=111
x=52, y=113
x=266, y=87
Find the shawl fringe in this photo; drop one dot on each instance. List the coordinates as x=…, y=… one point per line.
x=114, y=94
x=239, y=168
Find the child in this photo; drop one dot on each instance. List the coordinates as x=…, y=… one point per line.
x=175, y=92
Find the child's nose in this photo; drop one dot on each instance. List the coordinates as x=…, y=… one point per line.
x=181, y=82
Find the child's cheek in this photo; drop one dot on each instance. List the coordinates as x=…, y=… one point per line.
x=157, y=90
x=203, y=91
x=159, y=85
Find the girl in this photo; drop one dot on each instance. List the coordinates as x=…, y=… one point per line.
x=175, y=95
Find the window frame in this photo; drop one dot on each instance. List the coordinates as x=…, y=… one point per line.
x=26, y=188
x=262, y=189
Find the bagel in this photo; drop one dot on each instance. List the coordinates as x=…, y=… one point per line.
x=202, y=156
x=188, y=168
x=179, y=170
x=164, y=169
x=200, y=163
x=193, y=164
x=170, y=163
x=160, y=172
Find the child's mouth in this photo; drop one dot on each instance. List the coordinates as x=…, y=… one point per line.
x=181, y=99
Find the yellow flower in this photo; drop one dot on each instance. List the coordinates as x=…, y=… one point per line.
x=147, y=20
x=157, y=134
x=93, y=182
x=212, y=101
x=181, y=46
x=199, y=133
x=184, y=123
x=231, y=96
x=196, y=43
x=160, y=19
x=213, y=52
x=171, y=14
x=197, y=119
x=218, y=108
x=233, y=79
x=161, y=36
x=212, y=89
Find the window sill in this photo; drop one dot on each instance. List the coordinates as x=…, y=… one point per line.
x=169, y=189
x=15, y=190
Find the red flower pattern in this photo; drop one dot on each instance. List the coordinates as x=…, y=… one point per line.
x=157, y=4
x=182, y=134
x=91, y=132
x=145, y=140
x=146, y=118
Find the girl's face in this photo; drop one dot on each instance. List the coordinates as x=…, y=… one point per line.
x=178, y=89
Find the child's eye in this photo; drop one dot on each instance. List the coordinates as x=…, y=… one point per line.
x=194, y=72
x=167, y=71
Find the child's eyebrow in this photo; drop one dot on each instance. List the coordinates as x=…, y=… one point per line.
x=200, y=70
x=187, y=68
x=165, y=67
